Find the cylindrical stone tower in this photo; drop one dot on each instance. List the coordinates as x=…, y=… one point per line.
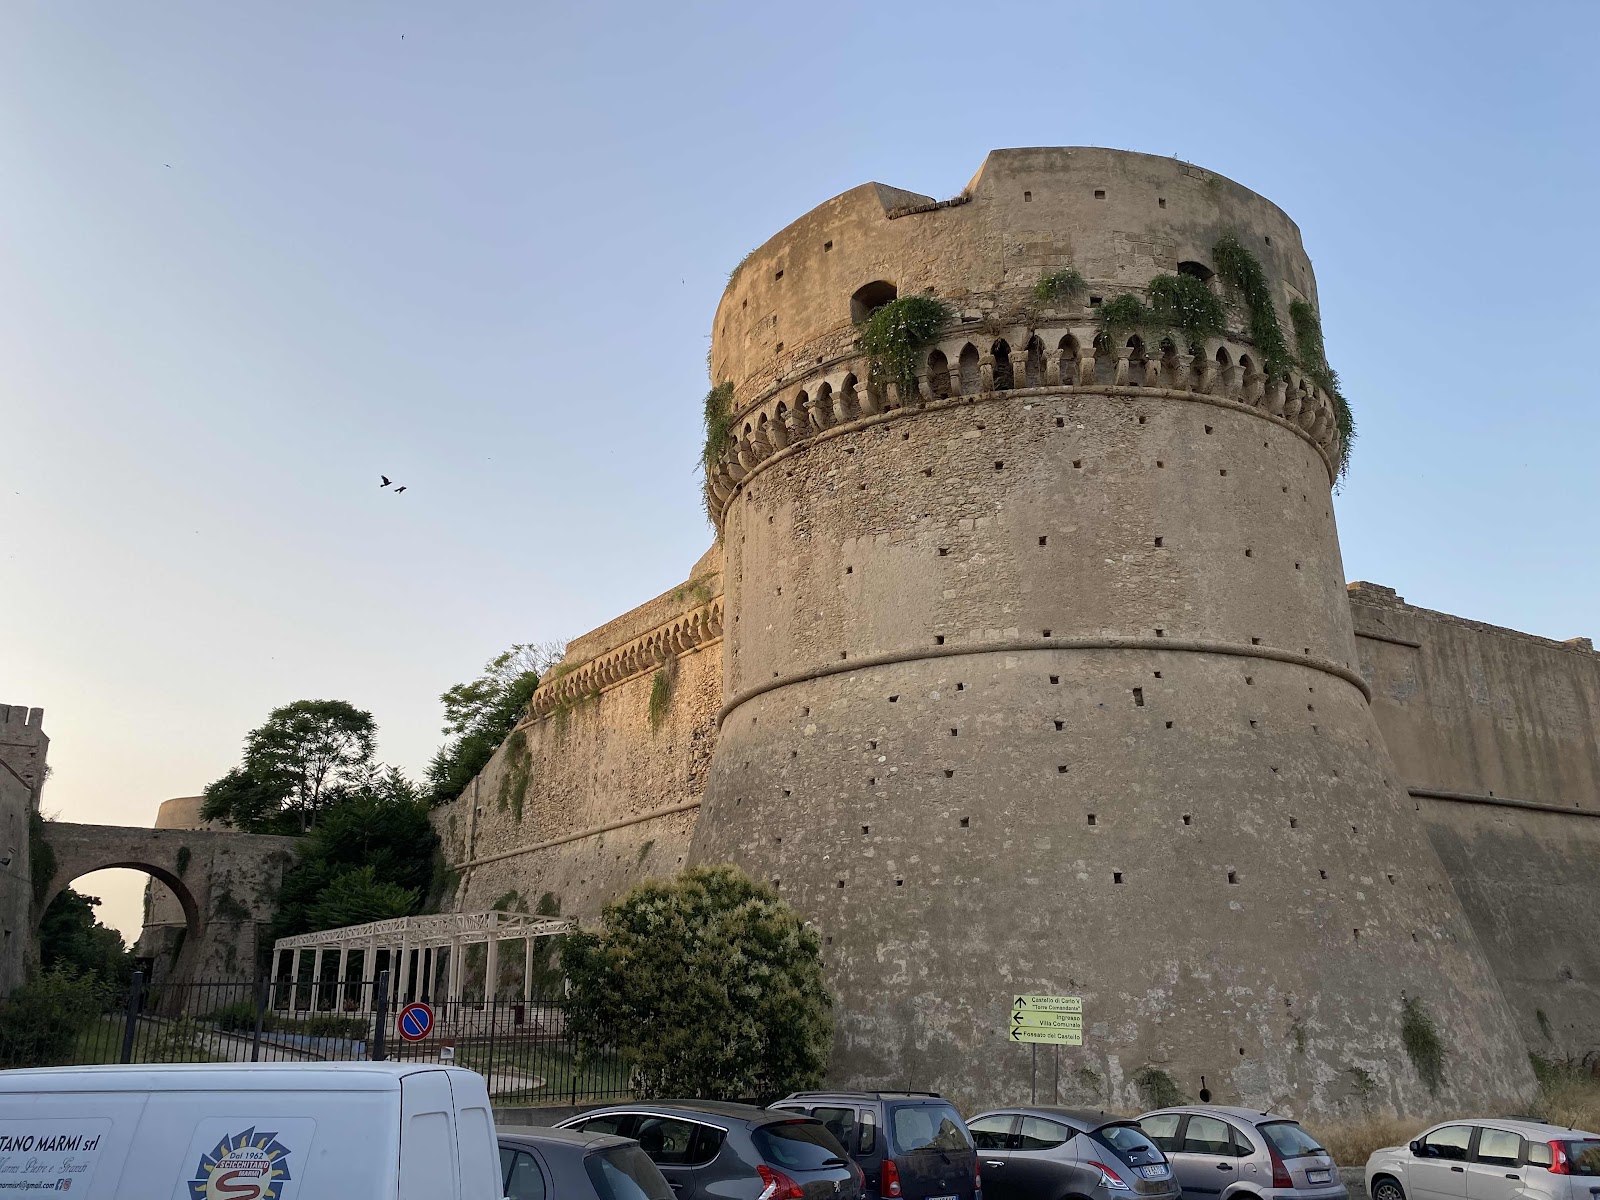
x=1043, y=680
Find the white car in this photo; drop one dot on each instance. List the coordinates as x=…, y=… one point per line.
x=1489, y=1160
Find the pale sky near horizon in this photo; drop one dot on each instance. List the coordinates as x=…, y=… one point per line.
x=252, y=255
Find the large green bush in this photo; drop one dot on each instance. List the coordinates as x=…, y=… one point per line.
x=710, y=984
x=40, y=1020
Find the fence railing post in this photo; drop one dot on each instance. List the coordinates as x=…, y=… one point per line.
x=131, y=1019
x=380, y=1017
x=263, y=990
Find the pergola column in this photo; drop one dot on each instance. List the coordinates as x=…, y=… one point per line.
x=369, y=976
x=294, y=982
x=344, y=967
x=277, y=978
x=457, y=970
x=404, y=995
x=527, y=970
x=491, y=969
x=316, y=979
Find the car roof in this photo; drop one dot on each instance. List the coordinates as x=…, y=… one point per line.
x=715, y=1108
x=208, y=1077
x=1248, y=1116
x=540, y=1135
x=1534, y=1131
x=849, y=1095
x=1086, y=1119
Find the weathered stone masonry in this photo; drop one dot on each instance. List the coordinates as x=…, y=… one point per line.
x=1045, y=679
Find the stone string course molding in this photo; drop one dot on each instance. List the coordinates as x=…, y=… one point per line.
x=1052, y=359
x=670, y=640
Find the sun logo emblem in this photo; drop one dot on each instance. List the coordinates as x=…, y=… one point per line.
x=243, y=1166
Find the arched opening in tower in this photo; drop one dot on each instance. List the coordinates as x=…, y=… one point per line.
x=869, y=298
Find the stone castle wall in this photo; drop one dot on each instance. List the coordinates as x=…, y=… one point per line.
x=1496, y=735
x=590, y=795
x=23, y=749
x=1042, y=676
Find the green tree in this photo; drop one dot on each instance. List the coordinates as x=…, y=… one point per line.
x=370, y=857
x=478, y=715
x=71, y=936
x=710, y=983
x=301, y=756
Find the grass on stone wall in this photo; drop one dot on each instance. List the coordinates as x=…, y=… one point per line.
x=513, y=791
x=660, y=696
x=1314, y=362
x=1244, y=276
x=1157, y=1089
x=1419, y=1034
x=1059, y=287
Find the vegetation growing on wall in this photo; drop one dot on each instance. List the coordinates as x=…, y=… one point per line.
x=660, y=695
x=1420, y=1037
x=1314, y=362
x=895, y=335
x=515, y=776
x=41, y=858
x=717, y=413
x=1059, y=287
x=184, y=855
x=709, y=983
x=1243, y=275
x=1156, y=1088
x=1186, y=306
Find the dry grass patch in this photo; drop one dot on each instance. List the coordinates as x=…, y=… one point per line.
x=1569, y=1098
x=1352, y=1142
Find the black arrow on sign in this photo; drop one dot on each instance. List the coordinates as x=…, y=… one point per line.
x=1016, y=1035
x=1021, y=1003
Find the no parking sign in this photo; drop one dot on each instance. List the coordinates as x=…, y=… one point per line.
x=416, y=1021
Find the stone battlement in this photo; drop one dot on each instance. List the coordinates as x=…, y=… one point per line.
x=1053, y=358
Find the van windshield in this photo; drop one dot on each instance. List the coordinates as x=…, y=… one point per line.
x=625, y=1173
x=928, y=1127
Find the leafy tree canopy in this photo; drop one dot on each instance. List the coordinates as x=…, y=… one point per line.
x=710, y=983
x=370, y=857
x=72, y=937
x=303, y=755
x=478, y=715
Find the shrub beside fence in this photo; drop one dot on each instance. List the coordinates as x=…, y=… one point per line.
x=524, y=1048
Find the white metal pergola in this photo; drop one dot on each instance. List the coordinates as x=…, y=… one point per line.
x=419, y=950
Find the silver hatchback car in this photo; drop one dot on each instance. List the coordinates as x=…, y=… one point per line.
x=1218, y=1152
x=1489, y=1160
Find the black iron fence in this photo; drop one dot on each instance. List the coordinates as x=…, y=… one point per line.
x=524, y=1048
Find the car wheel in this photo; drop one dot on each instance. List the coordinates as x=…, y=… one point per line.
x=1385, y=1188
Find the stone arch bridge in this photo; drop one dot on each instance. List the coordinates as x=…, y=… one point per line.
x=225, y=883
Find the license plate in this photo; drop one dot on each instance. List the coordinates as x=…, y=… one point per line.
x=1153, y=1172
x=1319, y=1176
x=944, y=1198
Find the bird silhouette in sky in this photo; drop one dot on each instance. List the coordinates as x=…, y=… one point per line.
x=398, y=490
x=385, y=482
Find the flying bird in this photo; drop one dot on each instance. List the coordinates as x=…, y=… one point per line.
x=398, y=490
x=385, y=482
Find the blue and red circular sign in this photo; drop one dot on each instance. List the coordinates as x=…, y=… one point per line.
x=416, y=1021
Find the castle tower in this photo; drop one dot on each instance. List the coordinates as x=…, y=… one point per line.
x=1043, y=680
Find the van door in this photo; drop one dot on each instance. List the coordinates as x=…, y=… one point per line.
x=476, y=1144
x=429, y=1166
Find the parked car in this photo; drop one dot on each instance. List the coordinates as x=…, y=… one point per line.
x=544, y=1164
x=1220, y=1152
x=1489, y=1160
x=1042, y=1152
x=713, y=1151
x=909, y=1145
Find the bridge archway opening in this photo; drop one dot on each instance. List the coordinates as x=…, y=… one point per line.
x=142, y=898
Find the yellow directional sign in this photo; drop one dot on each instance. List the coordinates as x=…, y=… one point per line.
x=1057, y=1019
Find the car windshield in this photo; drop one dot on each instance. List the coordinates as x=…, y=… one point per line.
x=1584, y=1157
x=1290, y=1140
x=1129, y=1144
x=626, y=1173
x=929, y=1127
x=798, y=1146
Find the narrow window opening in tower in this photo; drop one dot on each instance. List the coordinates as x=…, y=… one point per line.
x=1160, y=541
x=938, y=639
x=1116, y=877
x=1091, y=819
x=949, y=774
x=1055, y=679
x=1044, y=541
x=954, y=733
x=1158, y=674
x=1199, y=270
x=1062, y=769
x=1138, y=697
x=899, y=882
x=1045, y=632
x=1294, y=822
x=1026, y=197
x=869, y=298
x=894, y=699
x=968, y=364
x=1161, y=201
x=966, y=822
x=1099, y=193
x=778, y=274
x=1060, y=726
x=866, y=829
x=1188, y=819
x=1322, y=874
x=1233, y=877
x=826, y=246
x=939, y=374
x=1095, y=301
x=1169, y=724
x=1033, y=368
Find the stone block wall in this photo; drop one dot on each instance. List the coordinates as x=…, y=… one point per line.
x=592, y=794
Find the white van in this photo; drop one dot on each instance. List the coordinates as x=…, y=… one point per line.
x=230, y=1131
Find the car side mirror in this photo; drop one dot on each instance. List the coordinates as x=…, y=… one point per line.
x=1416, y=1147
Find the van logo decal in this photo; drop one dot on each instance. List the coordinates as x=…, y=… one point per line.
x=252, y=1165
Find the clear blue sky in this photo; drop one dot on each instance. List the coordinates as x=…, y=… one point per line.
x=252, y=254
